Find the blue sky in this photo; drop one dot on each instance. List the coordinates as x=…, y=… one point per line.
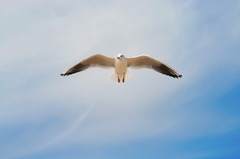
x=88, y=115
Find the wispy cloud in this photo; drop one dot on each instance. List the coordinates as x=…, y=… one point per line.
x=43, y=38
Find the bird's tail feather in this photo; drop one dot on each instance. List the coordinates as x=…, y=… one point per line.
x=114, y=76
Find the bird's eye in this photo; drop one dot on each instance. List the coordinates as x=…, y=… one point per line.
x=121, y=55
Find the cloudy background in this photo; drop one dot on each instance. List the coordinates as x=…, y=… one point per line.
x=88, y=115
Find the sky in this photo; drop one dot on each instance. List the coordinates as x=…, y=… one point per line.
x=88, y=115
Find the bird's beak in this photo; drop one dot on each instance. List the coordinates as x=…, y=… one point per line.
x=117, y=57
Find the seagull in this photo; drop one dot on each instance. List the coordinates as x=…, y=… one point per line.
x=121, y=65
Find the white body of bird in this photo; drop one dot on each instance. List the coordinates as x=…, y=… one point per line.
x=120, y=68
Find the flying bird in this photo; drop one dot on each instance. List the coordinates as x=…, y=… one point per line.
x=121, y=65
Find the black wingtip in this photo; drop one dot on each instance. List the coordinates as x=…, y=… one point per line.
x=180, y=76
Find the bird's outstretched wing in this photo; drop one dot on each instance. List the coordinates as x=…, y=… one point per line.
x=97, y=60
x=145, y=61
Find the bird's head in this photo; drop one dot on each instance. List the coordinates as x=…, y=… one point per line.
x=120, y=56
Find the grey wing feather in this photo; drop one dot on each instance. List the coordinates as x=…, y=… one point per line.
x=151, y=63
x=97, y=60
